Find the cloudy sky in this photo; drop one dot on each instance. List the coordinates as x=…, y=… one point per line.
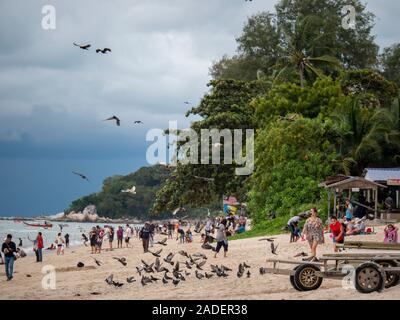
x=53, y=95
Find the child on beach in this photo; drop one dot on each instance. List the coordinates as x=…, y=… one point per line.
x=391, y=234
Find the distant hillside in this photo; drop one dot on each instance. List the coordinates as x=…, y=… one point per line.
x=111, y=203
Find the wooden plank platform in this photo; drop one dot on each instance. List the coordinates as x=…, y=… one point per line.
x=297, y=262
x=369, y=245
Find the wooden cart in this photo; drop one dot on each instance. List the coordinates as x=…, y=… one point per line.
x=372, y=271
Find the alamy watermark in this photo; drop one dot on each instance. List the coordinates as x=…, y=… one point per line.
x=204, y=148
x=349, y=17
x=49, y=17
x=49, y=278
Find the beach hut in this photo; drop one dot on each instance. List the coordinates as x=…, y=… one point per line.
x=337, y=184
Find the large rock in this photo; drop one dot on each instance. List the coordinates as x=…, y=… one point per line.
x=90, y=214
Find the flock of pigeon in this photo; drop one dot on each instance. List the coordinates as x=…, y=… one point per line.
x=177, y=271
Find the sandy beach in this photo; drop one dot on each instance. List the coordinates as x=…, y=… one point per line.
x=75, y=283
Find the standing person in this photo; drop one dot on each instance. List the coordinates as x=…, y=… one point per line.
x=93, y=239
x=100, y=236
x=9, y=249
x=128, y=235
x=110, y=237
x=39, y=247
x=170, y=229
x=222, y=240
x=60, y=243
x=67, y=240
x=349, y=210
x=144, y=234
x=314, y=231
x=391, y=234
x=120, y=236
x=337, y=232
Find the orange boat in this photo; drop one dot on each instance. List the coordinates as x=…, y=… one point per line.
x=38, y=225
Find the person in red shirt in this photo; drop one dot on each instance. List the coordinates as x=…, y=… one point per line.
x=39, y=243
x=337, y=232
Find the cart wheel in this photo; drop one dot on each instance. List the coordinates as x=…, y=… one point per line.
x=292, y=282
x=369, y=277
x=306, y=279
x=392, y=279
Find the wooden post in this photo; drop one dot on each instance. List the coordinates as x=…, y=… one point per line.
x=376, y=202
x=334, y=203
x=329, y=203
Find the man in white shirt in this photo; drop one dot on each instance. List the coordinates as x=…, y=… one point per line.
x=128, y=235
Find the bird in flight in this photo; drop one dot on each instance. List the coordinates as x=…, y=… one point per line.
x=186, y=102
x=83, y=46
x=138, y=122
x=273, y=248
x=81, y=175
x=131, y=191
x=103, y=51
x=116, y=119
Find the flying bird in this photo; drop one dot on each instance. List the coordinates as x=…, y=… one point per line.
x=273, y=248
x=163, y=242
x=99, y=263
x=114, y=118
x=138, y=122
x=131, y=191
x=156, y=254
x=109, y=279
x=184, y=253
x=198, y=266
x=168, y=259
x=301, y=254
x=122, y=261
x=130, y=280
x=83, y=47
x=267, y=239
x=81, y=175
x=103, y=51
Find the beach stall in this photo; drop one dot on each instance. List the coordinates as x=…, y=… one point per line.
x=390, y=197
x=336, y=185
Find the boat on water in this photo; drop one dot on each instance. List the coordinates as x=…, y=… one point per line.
x=39, y=225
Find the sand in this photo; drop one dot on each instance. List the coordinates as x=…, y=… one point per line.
x=74, y=283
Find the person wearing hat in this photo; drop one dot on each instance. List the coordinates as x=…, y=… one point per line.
x=9, y=249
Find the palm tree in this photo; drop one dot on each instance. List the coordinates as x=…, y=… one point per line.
x=363, y=135
x=300, y=50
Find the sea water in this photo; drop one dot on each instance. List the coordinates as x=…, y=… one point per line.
x=74, y=229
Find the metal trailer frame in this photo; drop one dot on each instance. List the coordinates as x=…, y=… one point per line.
x=373, y=271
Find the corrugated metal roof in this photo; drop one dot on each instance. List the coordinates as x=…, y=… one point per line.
x=382, y=174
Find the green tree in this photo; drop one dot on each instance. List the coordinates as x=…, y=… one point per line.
x=301, y=29
x=390, y=63
x=292, y=158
